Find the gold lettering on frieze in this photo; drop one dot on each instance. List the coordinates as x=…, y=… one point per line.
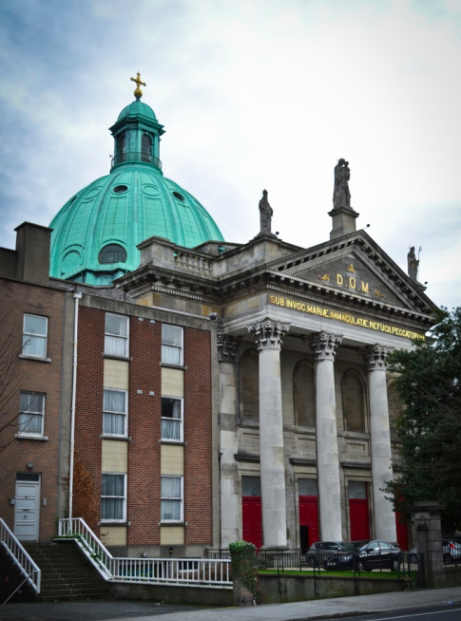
x=379, y=294
x=325, y=277
x=364, y=287
x=345, y=318
x=339, y=279
x=352, y=282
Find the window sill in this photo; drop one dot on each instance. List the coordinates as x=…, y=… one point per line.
x=166, y=523
x=112, y=523
x=175, y=442
x=114, y=357
x=36, y=358
x=104, y=436
x=30, y=436
x=173, y=366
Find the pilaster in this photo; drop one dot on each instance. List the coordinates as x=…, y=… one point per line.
x=227, y=346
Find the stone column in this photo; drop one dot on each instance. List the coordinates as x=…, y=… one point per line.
x=268, y=335
x=324, y=347
x=230, y=496
x=381, y=453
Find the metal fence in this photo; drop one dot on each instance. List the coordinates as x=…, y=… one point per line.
x=20, y=557
x=214, y=573
x=407, y=569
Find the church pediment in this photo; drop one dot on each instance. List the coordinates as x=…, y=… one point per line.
x=358, y=267
x=350, y=273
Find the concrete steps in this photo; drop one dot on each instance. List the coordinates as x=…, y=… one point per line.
x=66, y=573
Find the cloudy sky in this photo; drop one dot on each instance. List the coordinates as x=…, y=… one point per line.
x=253, y=94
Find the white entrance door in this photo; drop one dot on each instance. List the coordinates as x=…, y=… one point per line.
x=27, y=510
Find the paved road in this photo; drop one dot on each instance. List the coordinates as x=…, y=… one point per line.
x=377, y=606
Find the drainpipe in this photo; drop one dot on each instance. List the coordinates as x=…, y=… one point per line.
x=77, y=297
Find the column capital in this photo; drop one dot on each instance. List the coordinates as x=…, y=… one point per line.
x=227, y=347
x=268, y=333
x=324, y=345
x=376, y=356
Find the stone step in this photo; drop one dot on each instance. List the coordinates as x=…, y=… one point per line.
x=66, y=573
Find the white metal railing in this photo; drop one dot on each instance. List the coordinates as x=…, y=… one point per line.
x=20, y=557
x=180, y=572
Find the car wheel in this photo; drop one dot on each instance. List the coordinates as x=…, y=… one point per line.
x=447, y=558
x=412, y=558
x=395, y=565
x=312, y=562
x=361, y=566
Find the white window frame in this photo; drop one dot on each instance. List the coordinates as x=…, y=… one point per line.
x=34, y=413
x=28, y=337
x=181, y=421
x=125, y=414
x=117, y=336
x=181, y=500
x=115, y=474
x=181, y=348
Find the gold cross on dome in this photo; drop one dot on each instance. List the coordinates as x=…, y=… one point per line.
x=137, y=80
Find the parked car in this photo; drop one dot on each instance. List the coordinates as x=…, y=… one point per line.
x=451, y=551
x=413, y=555
x=365, y=556
x=319, y=551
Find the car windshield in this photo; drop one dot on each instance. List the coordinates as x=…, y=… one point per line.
x=353, y=545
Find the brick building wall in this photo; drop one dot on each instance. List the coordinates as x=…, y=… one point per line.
x=198, y=435
x=33, y=375
x=90, y=374
x=144, y=470
x=144, y=429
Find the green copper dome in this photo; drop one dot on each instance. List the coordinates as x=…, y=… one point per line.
x=95, y=234
x=137, y=108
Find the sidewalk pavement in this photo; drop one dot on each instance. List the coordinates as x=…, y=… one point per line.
x=322, y=608
x=117, y=610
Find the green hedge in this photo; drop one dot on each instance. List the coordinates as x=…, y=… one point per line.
x=242, y=556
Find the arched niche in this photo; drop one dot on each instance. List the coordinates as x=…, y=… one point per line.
x=354, y=402
x=249, y=385
x=304, y=394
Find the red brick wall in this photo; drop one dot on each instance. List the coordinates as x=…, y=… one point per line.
x=144, y=429
x=197, y=434
x=35, y=376
x=90, y=384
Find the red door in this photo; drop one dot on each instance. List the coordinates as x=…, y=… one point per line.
x=309, y=516
x=252, y=520
x=360, y=522
x=402, y=533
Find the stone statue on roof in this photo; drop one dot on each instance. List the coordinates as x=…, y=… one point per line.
x=413, y=265
x=341, y=193
x=265, y=214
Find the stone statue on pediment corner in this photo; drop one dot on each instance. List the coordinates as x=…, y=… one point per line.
x=265, y=215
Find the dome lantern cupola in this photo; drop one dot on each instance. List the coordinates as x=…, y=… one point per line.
x=96, y=234
x=137, y=133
